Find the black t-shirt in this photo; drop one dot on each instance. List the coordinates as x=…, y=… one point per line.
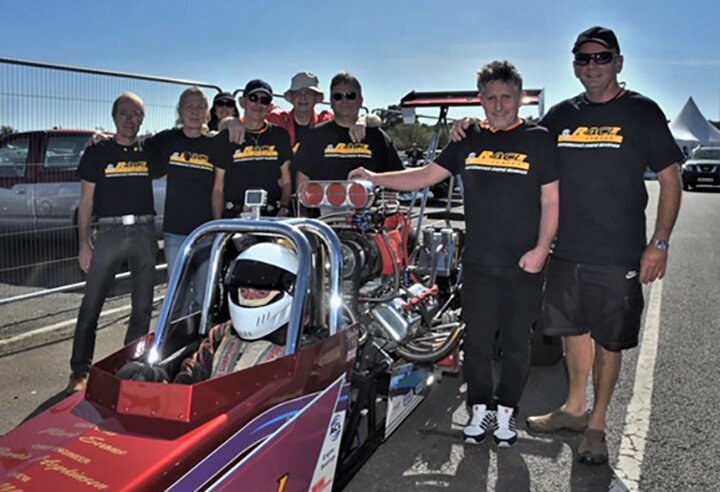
x=189, y=164
x=603, y=150
x=329, y=154
x=301, y=134
x=502, y=173
x=122, y=178
x=255, y=163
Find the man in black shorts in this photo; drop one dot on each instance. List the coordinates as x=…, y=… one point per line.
x=511, y=205
x=328, y=152
x=117, y=192
x=606, y=137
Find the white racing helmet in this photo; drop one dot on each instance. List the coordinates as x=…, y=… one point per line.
x=270, y=269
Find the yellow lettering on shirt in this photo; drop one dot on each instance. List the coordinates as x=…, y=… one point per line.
x=191, y=159
x=513, y=160
x=585, y=134
x=256, y=152
x=126, y=167
x=348, y=150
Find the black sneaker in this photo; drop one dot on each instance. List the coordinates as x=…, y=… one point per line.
x=505, y=433
x=481, y=422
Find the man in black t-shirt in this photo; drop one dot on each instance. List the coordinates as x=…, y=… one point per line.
x=328, y=152
x=511, y=208
x=117, y=192
x=262, y=161
x=606, y=138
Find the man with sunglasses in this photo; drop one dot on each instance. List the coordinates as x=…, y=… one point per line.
x=606, y=137
x=330, y=152
x=262, y=161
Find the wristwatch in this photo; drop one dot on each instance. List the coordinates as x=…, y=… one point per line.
x=660, y=244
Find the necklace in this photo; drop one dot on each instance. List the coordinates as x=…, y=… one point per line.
x=255, y=136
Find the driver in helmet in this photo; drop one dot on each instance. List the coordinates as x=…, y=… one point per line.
x=259, y=284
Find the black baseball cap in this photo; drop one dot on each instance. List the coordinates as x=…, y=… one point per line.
x=597, y=34
x=257, y=85
x=220, y=96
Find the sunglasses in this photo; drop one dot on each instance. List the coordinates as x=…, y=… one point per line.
x=350, y=96
x=602, y=58
x=227, y=103
x=264, y=100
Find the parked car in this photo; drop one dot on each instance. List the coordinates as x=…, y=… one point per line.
x=702, y=168
x=39, y=185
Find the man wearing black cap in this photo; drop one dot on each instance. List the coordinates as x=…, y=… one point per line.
x=262, y=161
x=606, y=138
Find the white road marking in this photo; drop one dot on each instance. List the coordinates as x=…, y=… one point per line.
x=637, y=418
x=63, y=324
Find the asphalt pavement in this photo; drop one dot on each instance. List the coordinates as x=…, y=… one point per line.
x=678, y=451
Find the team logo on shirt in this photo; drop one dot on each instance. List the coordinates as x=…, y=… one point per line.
x=296, y=147
x=256, y=153
x=495, y=161
x=588, y=137
x=348, y=150
x=126, y=168
x=192, y=160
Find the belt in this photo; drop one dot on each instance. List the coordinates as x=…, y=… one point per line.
x=127, y=219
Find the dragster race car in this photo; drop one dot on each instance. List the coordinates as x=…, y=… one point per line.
x=374, y=321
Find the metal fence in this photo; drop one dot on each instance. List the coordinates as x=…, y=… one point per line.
x=47, y=113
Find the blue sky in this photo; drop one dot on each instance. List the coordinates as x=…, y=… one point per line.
x=672, y=48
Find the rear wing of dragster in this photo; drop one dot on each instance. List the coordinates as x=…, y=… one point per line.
x=444, y=100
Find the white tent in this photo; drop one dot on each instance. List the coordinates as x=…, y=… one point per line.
x=690, y=128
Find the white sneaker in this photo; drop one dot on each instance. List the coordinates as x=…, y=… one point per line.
x=482, y=421
x=505, y=433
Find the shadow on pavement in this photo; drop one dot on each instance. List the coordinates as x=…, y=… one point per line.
x=53, y=400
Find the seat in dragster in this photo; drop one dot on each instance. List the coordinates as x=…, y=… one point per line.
x=353, y=370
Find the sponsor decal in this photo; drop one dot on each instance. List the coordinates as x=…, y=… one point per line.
x=126, y=168
x=320, y=485
x=591, y=137
x=72, y=473
x=100, y=443
x=336, y=427
x=55, y=432
x=16, y=455
x=348, y=150
x=255, y=153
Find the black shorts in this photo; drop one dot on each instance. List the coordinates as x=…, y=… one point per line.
x=604, y=300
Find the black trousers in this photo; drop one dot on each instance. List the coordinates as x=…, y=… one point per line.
x=115, y=244
x=506, y=302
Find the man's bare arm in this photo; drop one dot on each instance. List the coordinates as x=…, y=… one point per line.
x=406, y=180
x=87, y=194
x=654, y=261
x=218, y=193
x=534, y=260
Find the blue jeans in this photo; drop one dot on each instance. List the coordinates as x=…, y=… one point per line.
x=191, y=289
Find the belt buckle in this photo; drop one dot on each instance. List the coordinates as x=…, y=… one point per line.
x=128, y=220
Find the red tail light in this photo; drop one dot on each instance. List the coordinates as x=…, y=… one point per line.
x=336, y=194
x=312, y=195
x=358, y=195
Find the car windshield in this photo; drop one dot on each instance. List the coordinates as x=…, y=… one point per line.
x=707, y=154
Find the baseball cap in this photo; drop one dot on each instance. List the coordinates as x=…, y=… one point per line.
x=220, y=96
x=597, y=34
x=257, y=85
x=304, y=80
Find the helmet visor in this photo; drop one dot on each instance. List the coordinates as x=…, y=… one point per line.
x=258, y=275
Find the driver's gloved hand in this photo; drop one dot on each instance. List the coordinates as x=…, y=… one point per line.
x=140, y=371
